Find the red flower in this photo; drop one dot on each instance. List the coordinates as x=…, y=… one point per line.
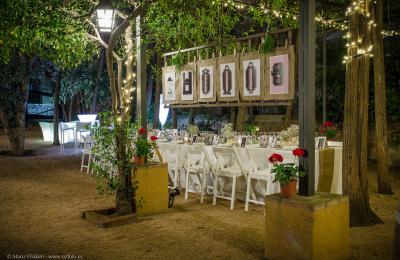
x=298, y=152
x=328, y=124
x=275, y=158
x=142, y=131
x=322, y=129
x=153, y=138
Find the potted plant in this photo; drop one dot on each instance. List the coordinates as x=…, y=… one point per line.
x=251, y=128
x=143, y=147
x=329, y=130
x=287, y=173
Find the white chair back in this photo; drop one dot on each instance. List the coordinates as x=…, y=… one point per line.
x=169, y=153
x=228, y=160
x=258, y=158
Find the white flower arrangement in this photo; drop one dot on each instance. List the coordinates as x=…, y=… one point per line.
x=227, y=130
x=290, y=133
x=193, y=129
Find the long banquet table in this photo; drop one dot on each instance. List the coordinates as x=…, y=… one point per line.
x=328, y=166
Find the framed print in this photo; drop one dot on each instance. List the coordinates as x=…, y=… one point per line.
x=320, y=142
x=228, y=70
x=252, y=76
x=243, y=142
x=279, y=73
x=206, y=80
x=279, y=78
x=187, y=83
x=169, y=82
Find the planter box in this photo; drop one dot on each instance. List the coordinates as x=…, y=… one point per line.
x=152, y=193
x=315, y=227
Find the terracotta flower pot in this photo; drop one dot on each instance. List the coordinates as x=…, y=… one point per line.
x=289, y=190
x=138, y=160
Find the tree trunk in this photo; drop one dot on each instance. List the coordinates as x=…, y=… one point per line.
x=16, y=132
x=355, y=127
x=93, y=109
x=56, y=110
x=157, y=94
x=71, y=103
x=384, y=186
x=240, y=118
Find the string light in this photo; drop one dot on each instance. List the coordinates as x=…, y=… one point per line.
x=352, y=45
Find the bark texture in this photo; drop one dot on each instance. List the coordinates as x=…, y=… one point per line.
x=56, y=110
x=157, y=94
x=355, y=127
x=381, y=134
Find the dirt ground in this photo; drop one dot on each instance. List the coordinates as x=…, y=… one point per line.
x=43, y=195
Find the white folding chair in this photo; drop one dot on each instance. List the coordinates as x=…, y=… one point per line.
x=170, y=154
x=228, y=166
x=261, y=172
x=64, y=128
x=194, y=167
x=87, y=151
x=81, y=131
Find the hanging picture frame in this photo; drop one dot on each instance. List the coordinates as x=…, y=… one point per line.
x=252, y=76
x=187, y=84
x=279, y=74
x=227, y=78
x=169, y=85
x=206, y=80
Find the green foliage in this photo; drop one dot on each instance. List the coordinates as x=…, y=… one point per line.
x=143, y=147
x=286, y=172
x=105, y=150
x=251, y=128
x=83, y=79
x=268, y=44
x=178, y=60
x=42, y=28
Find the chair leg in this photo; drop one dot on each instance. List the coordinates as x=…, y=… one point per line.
x=83, y=159
x=233, y=193
x=62, y=141
x=215, y=190
x=187, y=185
x=176, y=184
x=202, y=186
x=88, y=165
x=246, y=207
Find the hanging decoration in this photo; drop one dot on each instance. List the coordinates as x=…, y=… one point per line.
x=206, y=80
x=227, y=78
x=252, y=76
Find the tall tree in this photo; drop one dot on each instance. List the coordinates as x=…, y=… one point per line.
x=30, y=30
x=381, y=134
x=355, y=127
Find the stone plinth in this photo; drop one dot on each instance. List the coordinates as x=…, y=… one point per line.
x=315, y=227
x=152, y=193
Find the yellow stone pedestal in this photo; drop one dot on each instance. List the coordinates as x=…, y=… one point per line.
x=315, y=227
x=152, y=193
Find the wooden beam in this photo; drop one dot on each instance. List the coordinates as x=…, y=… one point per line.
x=307, y=95
x=141, y=76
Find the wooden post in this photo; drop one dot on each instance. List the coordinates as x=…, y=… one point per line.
x=323, y=74
x=174, y=121
x=141, y=74
x=307, y=95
